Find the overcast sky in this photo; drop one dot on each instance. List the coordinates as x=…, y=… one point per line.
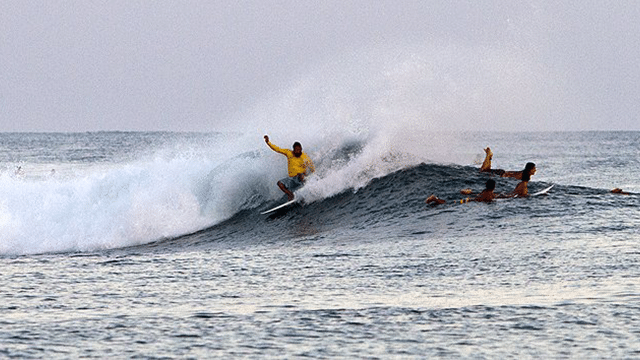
x=196, y=65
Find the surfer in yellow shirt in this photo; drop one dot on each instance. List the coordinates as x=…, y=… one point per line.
x=298, y=164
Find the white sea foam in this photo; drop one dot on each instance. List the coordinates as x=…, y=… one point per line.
x=404, y=105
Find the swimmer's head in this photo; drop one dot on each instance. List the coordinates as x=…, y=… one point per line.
x=491, y=184
x=530, y=168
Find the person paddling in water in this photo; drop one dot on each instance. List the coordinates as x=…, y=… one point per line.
x=529, y=169
x=522, y=189
x=619, y=191
x=486, y=167
x=298, y=164
x=487, y=195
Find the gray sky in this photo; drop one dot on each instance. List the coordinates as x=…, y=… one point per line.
x=195, y=65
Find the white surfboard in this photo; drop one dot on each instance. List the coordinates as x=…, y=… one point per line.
x=279, y=207
x=543, y=191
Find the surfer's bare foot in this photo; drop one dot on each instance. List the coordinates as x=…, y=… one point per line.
x=466, y=191
x=290, y=196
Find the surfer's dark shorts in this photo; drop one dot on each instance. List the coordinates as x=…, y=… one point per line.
x=292, y=183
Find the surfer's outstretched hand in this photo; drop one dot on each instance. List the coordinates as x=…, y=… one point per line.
x=266, y=138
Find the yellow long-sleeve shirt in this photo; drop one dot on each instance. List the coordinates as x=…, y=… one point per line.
x=295, y=165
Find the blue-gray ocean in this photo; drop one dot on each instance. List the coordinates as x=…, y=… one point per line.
x=151, y=245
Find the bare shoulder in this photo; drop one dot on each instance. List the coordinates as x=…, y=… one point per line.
x=512, y=174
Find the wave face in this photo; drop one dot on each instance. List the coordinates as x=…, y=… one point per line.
x=392, y=207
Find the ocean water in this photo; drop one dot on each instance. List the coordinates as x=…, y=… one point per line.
x=151, y=245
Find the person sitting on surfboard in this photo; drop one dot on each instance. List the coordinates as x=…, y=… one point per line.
x=298, y=164
x=522, y=189
x=486, y=167
x=487, y=195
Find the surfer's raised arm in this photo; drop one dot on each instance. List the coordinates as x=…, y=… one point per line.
x=275, y=148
